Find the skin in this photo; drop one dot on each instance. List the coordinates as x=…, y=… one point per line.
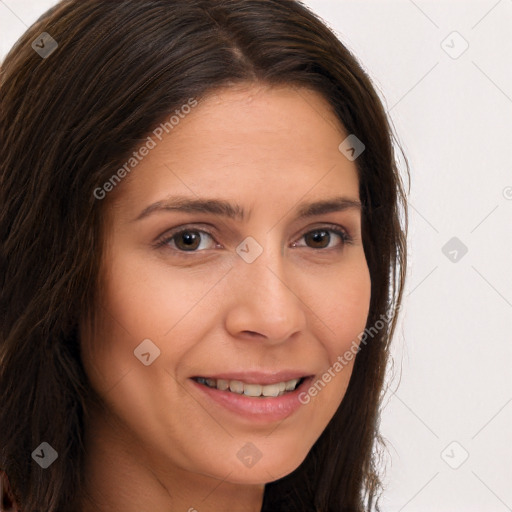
x=159, y=443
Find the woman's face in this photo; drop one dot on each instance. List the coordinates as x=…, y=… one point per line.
x=247, y=301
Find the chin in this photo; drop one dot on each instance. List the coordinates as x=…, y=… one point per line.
x=264, y=472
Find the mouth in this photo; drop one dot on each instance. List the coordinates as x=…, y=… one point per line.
x=254, y=390
x=257, y=397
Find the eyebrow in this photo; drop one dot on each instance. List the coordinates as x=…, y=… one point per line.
x=236, y=212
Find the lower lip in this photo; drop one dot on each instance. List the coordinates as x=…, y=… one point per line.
x=259, y=410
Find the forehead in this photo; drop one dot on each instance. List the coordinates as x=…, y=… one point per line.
x=253, y=142
x=279, y=118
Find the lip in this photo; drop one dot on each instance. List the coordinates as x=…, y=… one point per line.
x=257, y=410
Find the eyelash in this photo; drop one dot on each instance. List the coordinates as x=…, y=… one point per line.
x=346, y=239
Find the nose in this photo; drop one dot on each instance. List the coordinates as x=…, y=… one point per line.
x=265, y=300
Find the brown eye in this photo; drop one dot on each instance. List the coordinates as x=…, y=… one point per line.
x=321, y=238
x=318, y=239
x=186, y=240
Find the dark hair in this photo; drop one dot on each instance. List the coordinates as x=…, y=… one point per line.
x=68, y=120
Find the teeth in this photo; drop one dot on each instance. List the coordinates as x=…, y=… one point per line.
x=236, y=386
x=272, y=389
x=291, y=384
x=253, y=390
x=222, y=384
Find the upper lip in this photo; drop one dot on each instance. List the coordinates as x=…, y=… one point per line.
x=254, y=377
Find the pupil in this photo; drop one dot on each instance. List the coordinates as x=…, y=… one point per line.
x=318, y=235
x=188, y=238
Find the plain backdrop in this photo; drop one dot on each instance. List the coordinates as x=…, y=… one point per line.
x=443, y=71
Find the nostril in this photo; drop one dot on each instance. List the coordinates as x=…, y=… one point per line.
x=251, y=333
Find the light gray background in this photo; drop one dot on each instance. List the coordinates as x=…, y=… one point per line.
x=450, y=391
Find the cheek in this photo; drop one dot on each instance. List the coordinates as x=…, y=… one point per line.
x=142, y=300
x=149, y=297
x=128, y=313
x=343, y=309
x=346, y=304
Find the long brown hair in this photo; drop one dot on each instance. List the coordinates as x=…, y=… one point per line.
x=69, y=119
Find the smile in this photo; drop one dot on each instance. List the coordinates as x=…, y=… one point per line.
x=264, y=399
x=252, y=390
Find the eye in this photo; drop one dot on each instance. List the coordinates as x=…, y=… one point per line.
x=192, y=240
x=185, y=240
x=318, y=237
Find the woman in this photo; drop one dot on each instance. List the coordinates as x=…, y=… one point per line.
x=202, y=257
